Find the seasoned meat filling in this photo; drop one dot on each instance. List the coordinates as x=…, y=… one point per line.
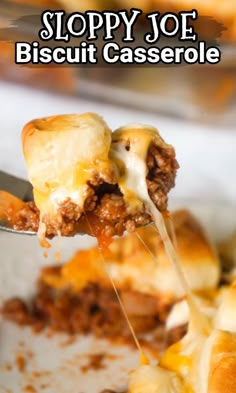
x=95, y=310
x=105, y=212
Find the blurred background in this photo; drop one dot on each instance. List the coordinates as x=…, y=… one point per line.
x=204, y=93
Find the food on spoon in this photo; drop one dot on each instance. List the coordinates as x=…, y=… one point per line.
x=85, y=177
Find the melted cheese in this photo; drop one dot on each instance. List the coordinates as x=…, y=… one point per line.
x=81, y=269
x=203, y=362
x=134, y=181
x=200, y=364
x=132, y=162
x=181, y=358
x=181, y=368
x=58, y=173
x=131, y=262
x=177, y=371
x=179, y=314
x=154, y=379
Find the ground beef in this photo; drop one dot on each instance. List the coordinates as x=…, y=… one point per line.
x=105, y=208
x=27, y=218
x=15, y=309
x=93, y=309
x=96, y=310
x=162, y=168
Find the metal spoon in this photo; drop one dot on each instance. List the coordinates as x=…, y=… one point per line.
x=20, y=188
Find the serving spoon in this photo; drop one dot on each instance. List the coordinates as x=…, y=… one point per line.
x=20, y=188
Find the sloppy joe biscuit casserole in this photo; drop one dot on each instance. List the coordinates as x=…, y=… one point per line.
x=87, y=179
x=81, y=180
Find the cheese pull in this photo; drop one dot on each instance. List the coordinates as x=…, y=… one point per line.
x=197, y=364
x=130, y=153
x=76, y=166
